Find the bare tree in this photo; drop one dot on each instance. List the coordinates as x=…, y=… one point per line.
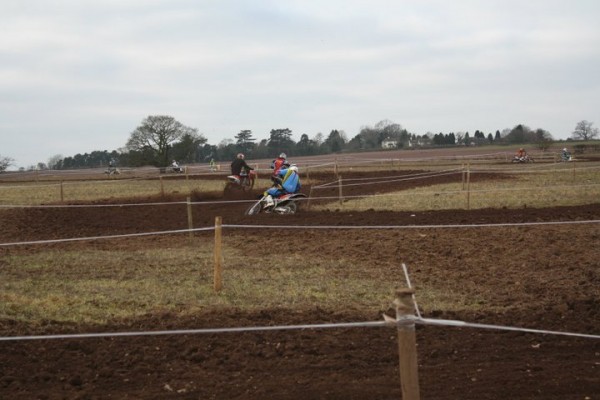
x=5, y=162
x=55, y=161
x=156, y=134
x=585, y=131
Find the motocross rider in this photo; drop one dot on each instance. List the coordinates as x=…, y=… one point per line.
x=521, y=153
x=279, y=163
x=238, y=164
x=288, y=182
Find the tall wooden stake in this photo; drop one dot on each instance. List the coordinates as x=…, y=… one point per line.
x=62, y=195
x=340, y=189
x=189, y=218
x=407, y=345
x=218, y=283
x=308, y=200
x=468, y=186
x=162, y=187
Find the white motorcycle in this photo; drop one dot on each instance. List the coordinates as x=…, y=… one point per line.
x=284, y=204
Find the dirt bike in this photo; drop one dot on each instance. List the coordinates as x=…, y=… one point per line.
x=565, y=157
x=286, y=203
x=112, y=171
x=524, y=159
x=244, y=181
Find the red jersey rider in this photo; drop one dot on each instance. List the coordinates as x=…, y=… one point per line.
x=278, y=163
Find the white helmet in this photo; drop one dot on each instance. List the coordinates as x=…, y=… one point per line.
x=294, y=168
x=240, y=156
x=565, y=149
x=282, y=155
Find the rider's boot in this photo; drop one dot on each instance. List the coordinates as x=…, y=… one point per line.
x=269, y=201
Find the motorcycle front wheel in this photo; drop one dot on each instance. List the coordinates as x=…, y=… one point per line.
x=255, y=208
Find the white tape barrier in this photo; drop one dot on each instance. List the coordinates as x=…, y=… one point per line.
x=371, y=324
x=329, y=227
x=396, y=178
x=452, y=226
x=106, y=237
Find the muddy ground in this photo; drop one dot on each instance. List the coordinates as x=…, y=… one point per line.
x=541, y=276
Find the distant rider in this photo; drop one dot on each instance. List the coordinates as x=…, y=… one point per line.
x=238, y=164
x=278, y=163
x=175, y=166
x=288, y=181
x=565, y=155
x=521, y=154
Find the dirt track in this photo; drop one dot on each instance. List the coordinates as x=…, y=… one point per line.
x=543, y=277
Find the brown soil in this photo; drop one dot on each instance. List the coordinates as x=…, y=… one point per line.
x=542, y=277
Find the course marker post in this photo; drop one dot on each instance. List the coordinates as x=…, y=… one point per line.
x=407, y=344
x=189, y=218
x=162, y=187
x=62, y=194
x=308, y=200
x=468, y=186
x=218, y=283
x=340, y=189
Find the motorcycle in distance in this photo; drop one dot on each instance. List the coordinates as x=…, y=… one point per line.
x=286, y=203
x=524, y=159
x=112, y=171
x=565, y=156
x=244, y=181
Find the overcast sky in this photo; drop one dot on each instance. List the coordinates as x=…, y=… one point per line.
x=78, y=76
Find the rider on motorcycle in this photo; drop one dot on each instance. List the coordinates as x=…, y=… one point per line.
x=521, y=154
x=565, y=155
x=238, y=164
x=175, y=167
x=288, y=181
x=279, y=163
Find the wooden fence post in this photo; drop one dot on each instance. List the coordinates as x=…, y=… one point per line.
x=468, y=186
x=190, y=219
x=335, y=167
x=308, y=200
x=162, y=187
x=463, y=176
x=407, y=345
x=340, y=189
x=62, y=195
x=218, y=283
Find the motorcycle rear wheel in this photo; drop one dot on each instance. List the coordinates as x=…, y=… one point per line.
x=289, y=208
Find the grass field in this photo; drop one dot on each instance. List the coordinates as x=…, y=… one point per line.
x=84, y=284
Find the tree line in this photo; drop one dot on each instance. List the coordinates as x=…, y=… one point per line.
x=159, y=139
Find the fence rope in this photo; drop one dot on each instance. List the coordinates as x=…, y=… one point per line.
x=330, y=227
x=378, y=179
x=507, y=224
x=300, y=199
x=387, y=322
x=414, y=298
x=106, y=237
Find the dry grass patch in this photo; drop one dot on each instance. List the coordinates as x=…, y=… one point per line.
x=535, y=189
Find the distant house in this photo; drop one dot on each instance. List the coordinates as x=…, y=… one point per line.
x=389, y=144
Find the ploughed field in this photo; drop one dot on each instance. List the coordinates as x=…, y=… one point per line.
x=537, y=276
